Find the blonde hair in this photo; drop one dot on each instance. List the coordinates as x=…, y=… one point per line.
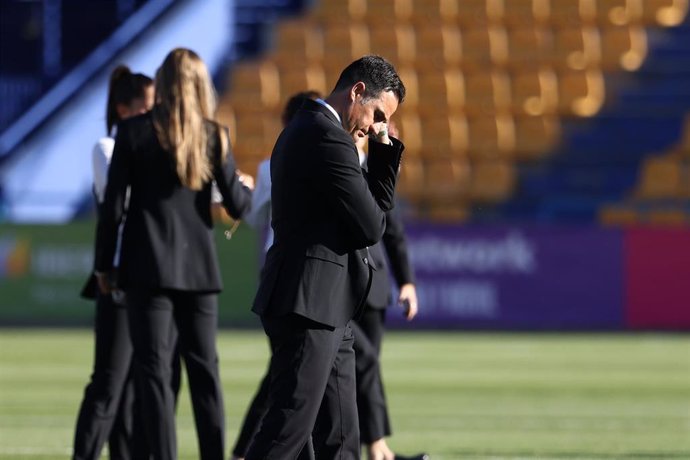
x=185, y=98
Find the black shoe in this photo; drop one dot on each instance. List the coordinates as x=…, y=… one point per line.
x=413, y=457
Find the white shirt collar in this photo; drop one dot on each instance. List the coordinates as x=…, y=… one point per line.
x=328, y=106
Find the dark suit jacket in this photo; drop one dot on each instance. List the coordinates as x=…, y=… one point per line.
x=167, y=240
x=395, y=246
x=325, y=212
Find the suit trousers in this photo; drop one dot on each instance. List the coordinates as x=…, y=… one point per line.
x=108, y=410
x=374, y=422
x=152, y=315
x=311, y=393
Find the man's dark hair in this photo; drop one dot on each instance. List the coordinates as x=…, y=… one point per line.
x=377, y=74
x=295, y=102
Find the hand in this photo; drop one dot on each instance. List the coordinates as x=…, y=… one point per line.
x=245, y=179
x=104, y=284
x=379, y=133
x=408, y=293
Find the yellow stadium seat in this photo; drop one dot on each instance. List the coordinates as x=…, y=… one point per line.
x=528, y=46
x=572, y=13
x=623, y=47
x=345, y=42
x=577, y=47
x=619, y=12
x=486, y=92
x=534, y=92
x=491, y=136
x=408, y=75
x=438, y=45
x=473, y=13
x=492, y=181
x=226, y=116
x=666, y=13
x=660, y=178
x=255, y=86
x=441, y=91
x=294, y=80
x=344, y=11
x=444, y=136
x=389, y=12
x=525, y=13
x=433, y=11
x=581, y=93
x=668, y=217
x=447, y=180
x=484, y=46
x=396, y=43
x=535, y=136
x=410, y=128
x=448, y=212
x=297, y=42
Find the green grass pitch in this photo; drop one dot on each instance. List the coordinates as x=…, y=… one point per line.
x=455, y=395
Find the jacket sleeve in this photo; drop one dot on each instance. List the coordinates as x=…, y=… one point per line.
x=359, y=201
x=237, y=198
x=395, y=242
x=113, y=207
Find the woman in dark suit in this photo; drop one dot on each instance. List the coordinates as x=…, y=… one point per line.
x=107, y=410
x=169, y=158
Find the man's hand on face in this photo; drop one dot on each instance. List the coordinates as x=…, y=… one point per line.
x=379, y=133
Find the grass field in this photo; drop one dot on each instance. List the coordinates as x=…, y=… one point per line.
x=455, y=395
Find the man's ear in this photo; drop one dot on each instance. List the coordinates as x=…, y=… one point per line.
x=357, y=90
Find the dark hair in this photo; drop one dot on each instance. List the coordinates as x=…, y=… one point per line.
x=125, y=86
x=377, y=74
x=295, y=102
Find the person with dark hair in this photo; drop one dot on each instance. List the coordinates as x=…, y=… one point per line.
x=169, y=159
x=107, y=411
x=316, y=277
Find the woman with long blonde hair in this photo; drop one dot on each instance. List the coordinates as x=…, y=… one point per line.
x=169, y=158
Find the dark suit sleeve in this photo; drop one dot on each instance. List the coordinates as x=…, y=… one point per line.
x=237, y=198
x=360, y=202
x=113, y=207
x=396, y=248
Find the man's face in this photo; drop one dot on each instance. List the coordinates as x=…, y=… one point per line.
x=368, y=116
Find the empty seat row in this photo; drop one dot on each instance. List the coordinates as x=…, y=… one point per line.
x=438, y=45
x=652, y=12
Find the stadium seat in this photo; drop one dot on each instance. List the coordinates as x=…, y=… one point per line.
x=492, y=181
x=491, y=136
x=666, y=13
x=397, y=43
x=577, y=47
x=619, y=215
x=258, y=134
x=660, y=178
x=534, y=92
x=448, y=212
x=572, y=13
x=409, y=77
x=486, y=92
x=528, y=47
x=255, y=87
x=297, y=42
x=410, y=128
x=439, y=45
x=339, y=11
x=483, y=47
x=525, y=13
x=447, y=180
x=294, y=79
x=473, y=13
x=345, y=42
x=410, y=184
x=441, y=91
x=389, y=12
x=444, y=135
x=581, y=93
x=623, y=47
x=535, y=136
x=226, y=116
x=668, y=216
x=619, y=12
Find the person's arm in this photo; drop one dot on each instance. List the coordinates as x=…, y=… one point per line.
x=112, y=208
x=259, y=215
x=100, y=157
x=396, y=249
x=237, y=198
x=360, y=201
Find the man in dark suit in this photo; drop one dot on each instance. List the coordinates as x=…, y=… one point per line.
x=316, y=277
